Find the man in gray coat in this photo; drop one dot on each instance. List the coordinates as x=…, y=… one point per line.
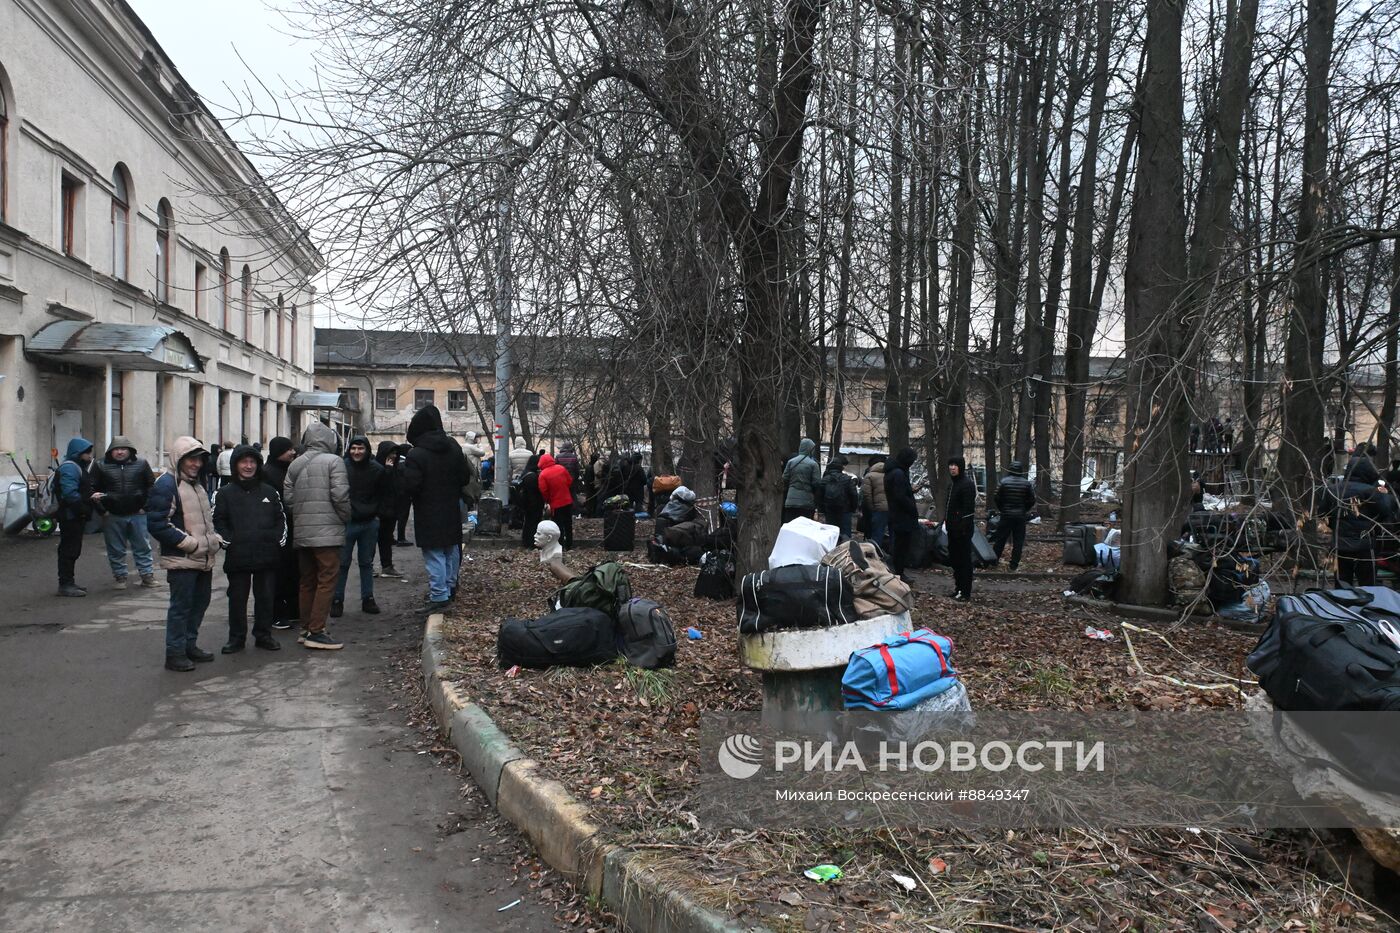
x=317, y=493
x=801, y=477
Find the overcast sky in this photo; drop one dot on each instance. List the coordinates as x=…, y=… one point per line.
x=223, y=50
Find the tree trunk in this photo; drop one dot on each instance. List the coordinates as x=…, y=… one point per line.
x=1300, y=452
x=1392, y=361
x=897, y=412
x=1155, y=490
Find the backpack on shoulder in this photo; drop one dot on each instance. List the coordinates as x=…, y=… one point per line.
x=648, y=638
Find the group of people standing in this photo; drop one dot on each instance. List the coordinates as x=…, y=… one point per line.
x=288, y=528
x=885, y=500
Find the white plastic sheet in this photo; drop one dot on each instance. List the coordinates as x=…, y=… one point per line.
x=802, y=541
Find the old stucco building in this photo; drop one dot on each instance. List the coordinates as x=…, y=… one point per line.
x=150, y=284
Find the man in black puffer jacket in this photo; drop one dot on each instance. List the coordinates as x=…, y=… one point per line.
x=435, y=477
x=123, y=482
x=1015, y=502
x=368, y=490
x=959, y=518
x=904, y=510
x=286, y=605
x=390, y=457
x=1357, y=508
x=248, y=518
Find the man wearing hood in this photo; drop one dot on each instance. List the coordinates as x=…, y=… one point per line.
x=474, y=451
x=75, y=498
x=520, y=455
x=317, y=494
x=179, y=517
x=1015, y=503
x=959, y=519
x=531, y=501
x=876, y=502
x=286, y=610
x=249, y=520
x=801, y=476
x=840, y=495
x=903, y=510
x=390, y=456
x=568, y=459
x=434, y=477
x=1357, y=508
x=367, y=495
x=557, y=492
x=122, y=482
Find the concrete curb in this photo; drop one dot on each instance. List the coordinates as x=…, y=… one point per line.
x=627, y=882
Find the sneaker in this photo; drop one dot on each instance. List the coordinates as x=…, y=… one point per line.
x=233, y=647
x=403, y=542
x=69, y=589
x=301, y=639
x=174, y=662
x=437, y=605
x=148, y=580
x=198, y=654
x=337, y=609
x=322, y=640
x=387, y=572
x=267, y=643
x=79, y=586
x=961, y=597
x=119, y=583
x=282, y=624
x=370, y=606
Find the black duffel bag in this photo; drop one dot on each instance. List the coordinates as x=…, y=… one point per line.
x=800, y=596
x=684, y=535
x=564, y=638
x=1318, y=655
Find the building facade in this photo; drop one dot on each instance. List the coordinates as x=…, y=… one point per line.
x=150, y=284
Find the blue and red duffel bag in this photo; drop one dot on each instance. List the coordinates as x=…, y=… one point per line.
x=899, y=674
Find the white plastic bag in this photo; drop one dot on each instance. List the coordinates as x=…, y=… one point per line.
x=802, y=541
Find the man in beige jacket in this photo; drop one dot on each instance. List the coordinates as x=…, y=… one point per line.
x=178, y=516
x=317, y=493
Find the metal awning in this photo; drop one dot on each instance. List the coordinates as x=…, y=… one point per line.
x=318, y=401
x=144, y=347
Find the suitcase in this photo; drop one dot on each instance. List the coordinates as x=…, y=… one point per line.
x=1079, y=545
x=619, y=531
x=488, y=516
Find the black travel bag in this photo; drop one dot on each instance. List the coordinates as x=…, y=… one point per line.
x=716, y=579
x=982, y=553
x=800, y=596
x=648, y=637
x=1079, y=545
x=564, y=638
x=619, y=531
x=488, y=516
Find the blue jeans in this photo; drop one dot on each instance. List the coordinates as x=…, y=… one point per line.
x=879, y=527
x=442, y=564
x=366, y=536
x=121, y=530
x=189, y=598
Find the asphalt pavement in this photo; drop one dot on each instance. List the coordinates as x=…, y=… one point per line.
x=266, y=791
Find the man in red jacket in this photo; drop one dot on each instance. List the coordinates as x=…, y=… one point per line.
x=557, y=490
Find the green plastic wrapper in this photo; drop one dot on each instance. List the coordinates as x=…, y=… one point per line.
x=824, y=873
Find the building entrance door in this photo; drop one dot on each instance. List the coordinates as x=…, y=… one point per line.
x=67, y=424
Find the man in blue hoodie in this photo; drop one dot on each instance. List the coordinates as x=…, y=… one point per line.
x=74, y=509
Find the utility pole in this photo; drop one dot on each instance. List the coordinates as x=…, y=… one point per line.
x=505, y=300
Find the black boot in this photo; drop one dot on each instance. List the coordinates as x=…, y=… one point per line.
x=266, y=643
x=234, y=646
x=173, y=662
x=337, y=609
x=370, y=606
x=196, y=653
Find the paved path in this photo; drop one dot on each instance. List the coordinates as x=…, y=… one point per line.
x=267, y=791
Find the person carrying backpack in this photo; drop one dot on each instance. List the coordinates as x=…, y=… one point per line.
x=179, y=517
x=840, y=496
x=959, y=519
x=122, y=482
x=801, y=476
x=1015, y=503
x=75, y=498
x=250, y=523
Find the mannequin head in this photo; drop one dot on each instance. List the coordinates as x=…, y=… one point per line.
x=547, y=540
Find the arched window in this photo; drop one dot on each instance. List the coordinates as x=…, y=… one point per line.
x=225, y=273
x=280, y=351
x=247, y=304
x=164, y=248
x=121, y=223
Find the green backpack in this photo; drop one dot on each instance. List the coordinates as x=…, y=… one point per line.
x=604, y=587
